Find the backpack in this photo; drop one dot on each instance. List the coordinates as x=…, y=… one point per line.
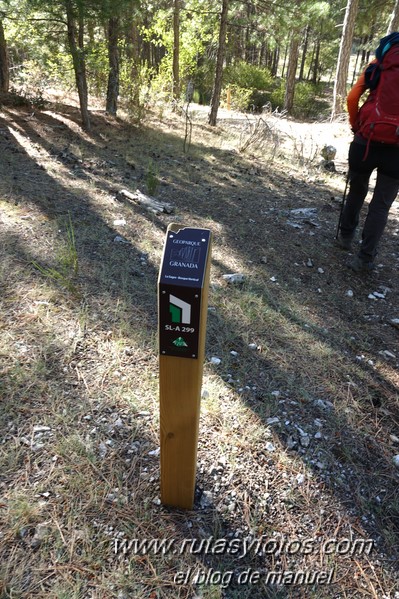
x=378, y=118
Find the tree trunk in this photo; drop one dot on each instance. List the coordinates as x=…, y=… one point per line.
x=176, y=50
x=394, y=20
x=291, y=72
x=316, y=62
x=4, y=65
x=276, y=56
x=75, y=40
x=217, y=87
x=341, y=77
x=304, y=54
x=113, y=60
x=355, y=67
x=284, y=61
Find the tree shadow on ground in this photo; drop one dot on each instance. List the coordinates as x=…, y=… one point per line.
x=248, y=207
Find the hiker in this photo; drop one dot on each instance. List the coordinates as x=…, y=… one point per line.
x=375, y=146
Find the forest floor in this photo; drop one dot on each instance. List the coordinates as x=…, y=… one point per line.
x=297, y=482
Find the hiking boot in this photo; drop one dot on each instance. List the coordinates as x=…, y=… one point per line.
x=359, y=265
x=345, y=243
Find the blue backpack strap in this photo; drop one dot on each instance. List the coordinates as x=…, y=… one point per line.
x=373, y=71
x=385, y=44
x=372, y=75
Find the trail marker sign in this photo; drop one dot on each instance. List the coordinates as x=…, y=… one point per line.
x=183, y=286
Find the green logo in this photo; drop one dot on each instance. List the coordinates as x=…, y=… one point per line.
x=179, y=342
x=180, y=311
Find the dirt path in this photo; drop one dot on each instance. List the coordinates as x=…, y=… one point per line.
x=300, y=416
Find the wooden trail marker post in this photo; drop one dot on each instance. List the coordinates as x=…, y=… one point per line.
x=183, y=287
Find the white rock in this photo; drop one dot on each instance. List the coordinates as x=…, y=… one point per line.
x=119, y=222
x=396, y=460
x=394, y=438
x=234, y=353
x=349, y=293
x=119, y=239
x=294, y=225
x=321, y=271
x=155, y=452
x=372, y=296
x=300, y=479
x=234, y=278
x=301, y=431
x=323, y=404
x=102, y=450
x=253, y=346
x=273, y=420
x=387, y=354
x=273, y=279
x=37, y=446
x=204, y=393
x=215, y=361
x=41, y=429
x=304, y=212
x=309, y=263
x=270, y=447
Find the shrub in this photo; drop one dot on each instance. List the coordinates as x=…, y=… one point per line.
x=248, y=76
x=308, y=101
x=240, y=98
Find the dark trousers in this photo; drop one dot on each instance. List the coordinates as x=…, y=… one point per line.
x=384, y=158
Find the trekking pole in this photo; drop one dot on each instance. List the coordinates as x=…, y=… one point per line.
x=342, y=205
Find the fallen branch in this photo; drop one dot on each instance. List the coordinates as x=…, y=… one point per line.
x=149, y=202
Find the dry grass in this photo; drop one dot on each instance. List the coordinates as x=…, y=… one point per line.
x=298, y=424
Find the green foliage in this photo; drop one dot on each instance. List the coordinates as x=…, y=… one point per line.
x=250, y=86
x=135, y=88
x=240, y=97
x=308, y=99
x=97, y=66
x=277, y=95
x=152, y=178
x=197, y=31
x=248, y=76
x=67, y=262
x=203, y=78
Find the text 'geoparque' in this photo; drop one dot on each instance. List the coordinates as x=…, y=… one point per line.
x=180, y=290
